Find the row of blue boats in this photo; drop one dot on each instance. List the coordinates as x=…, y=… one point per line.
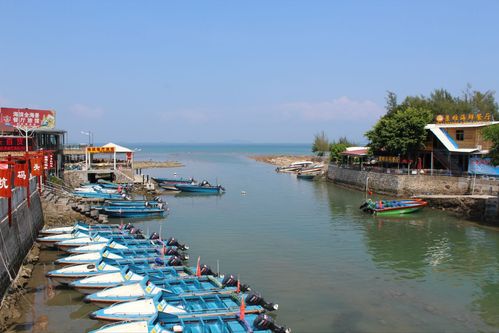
x=143, y=283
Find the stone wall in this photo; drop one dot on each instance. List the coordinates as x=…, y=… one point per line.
x=407, y=185
x=16, y=240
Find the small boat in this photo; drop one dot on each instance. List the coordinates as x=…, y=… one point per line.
x=102, y=288
x=295, y=166
x=134, y=211
x=314, y=169
x=116, y=254
x=180, y=285
x=100, y=195
x=393, y=207
x=167, y=306
x=306, y=176
x=246, y=323
x=174, y=180
x=134, y=203
x=203, y=187
x=152, y=242
x=79, y=225
x=69, y=274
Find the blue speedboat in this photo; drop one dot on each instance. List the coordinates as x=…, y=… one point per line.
x=152, y=242
x=167, y=306
x=80, y=225
x=104, y=283
x=260, y=323
x=69, y=274
x=174, y=180
x=133, y=211
x=203, y=187
x=100, y=195
x=153, y=285
x=118, y=254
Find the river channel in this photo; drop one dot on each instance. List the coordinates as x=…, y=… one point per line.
x=307, y=246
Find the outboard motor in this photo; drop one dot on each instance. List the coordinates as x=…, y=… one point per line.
x=206, y=270
x=254, y=298
x=231, y=281
x=175, y=261
x=154, y=235
x=265, y=322
x=173, y=242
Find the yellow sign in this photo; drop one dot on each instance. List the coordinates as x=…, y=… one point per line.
x=389, y=159
x=98, y=150
x=464, y=118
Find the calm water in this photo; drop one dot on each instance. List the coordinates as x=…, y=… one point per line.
x=307, y=246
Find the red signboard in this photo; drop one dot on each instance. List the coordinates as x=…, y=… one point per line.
x=51, y=161
x=5, y=184
x=29, y=118
x=20, y=175
x=10, y=143
x=36, y=167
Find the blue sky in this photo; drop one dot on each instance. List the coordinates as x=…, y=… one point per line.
x=223, y=71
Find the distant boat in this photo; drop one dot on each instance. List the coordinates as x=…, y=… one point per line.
x=393, y=207
x=306, y=176
x=203, y=187
x=295, y=166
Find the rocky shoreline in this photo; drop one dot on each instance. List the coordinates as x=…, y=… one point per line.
x=284, y=160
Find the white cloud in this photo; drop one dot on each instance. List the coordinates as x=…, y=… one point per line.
x=342, y=108
x=84, y=111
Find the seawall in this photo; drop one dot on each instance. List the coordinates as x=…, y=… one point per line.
x=16, y=240
x=443, y=192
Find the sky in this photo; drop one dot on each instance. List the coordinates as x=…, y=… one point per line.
x=238, y=71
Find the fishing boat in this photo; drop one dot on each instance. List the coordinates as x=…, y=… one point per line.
x=79, y=225
x=307, y=176
x=241, y=323
x=100, y=289
x=152, y=285
x=100, y=195
x=134, y=203
x=69, y=274
x=393, y=207
x=134, y=211
x=152, y=242
x=295, y=166
x=203, y=187
x=117, y=254
x=164, y=307
x=174, y=180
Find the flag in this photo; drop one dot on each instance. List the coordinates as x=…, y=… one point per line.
x=198, y=268
x=20, y=175
x=242, y=308
x=5, y=183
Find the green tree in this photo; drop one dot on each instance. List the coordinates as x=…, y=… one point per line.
x=321, y=144
x=492, y=133
x=401, y=132
x=337, y=147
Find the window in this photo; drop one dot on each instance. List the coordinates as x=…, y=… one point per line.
x=459, y=135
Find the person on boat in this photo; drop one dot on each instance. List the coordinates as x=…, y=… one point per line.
x=205, y=183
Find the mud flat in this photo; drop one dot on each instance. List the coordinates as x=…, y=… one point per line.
x=156, y=164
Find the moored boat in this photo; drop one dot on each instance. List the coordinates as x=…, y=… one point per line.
x=295, y=166
x=166, y=306
x=203, y=187
x=242, y=323
x=393, y=207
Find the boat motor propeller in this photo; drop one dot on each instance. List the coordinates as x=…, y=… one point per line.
x=173, y=242
x=255, y=298
x=265, y=322
x=231, y=281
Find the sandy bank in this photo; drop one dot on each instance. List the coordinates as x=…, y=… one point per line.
x=156, y=164
x=284, y=160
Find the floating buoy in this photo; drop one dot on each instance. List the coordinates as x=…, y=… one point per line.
x=243, y=192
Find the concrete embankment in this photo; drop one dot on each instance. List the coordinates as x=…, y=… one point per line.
x=17, y=239
x=452, y=194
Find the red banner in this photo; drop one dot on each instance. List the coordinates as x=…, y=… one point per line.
x=5, y=184
x=36, y=167
x=20, y=175
x=51, y=161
